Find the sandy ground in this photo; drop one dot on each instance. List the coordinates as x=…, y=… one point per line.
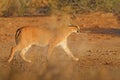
x=97, y=48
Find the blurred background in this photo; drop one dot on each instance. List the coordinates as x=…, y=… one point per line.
x=48, y=7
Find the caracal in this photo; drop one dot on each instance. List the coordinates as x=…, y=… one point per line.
x=42, y=36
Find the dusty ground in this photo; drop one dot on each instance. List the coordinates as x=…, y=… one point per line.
x=97, y=46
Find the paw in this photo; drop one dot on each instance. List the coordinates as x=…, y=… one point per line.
x=29, y=61
x=76, y=59
x=9, y=60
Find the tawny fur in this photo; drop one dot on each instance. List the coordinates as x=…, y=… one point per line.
x=42, y=36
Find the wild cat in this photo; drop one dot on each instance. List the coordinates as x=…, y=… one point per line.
x=27, y=36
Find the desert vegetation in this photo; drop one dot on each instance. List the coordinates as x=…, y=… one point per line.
x=48, y=7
